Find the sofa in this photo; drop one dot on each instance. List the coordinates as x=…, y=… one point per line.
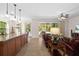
x=72, y=46
x=49, y=45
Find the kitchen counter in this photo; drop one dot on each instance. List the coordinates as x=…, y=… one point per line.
x=8, y=37
x=11, y=44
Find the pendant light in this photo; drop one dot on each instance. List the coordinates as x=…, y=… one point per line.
x=19, y=15
x=14, y=10
x=7, y=13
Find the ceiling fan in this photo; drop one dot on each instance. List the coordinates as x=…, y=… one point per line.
x=63, y=16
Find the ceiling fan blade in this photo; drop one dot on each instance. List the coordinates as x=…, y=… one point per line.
x=67, y=16
x=61, y=15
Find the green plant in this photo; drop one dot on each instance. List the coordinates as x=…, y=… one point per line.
x=2, y=27
x=28, y=28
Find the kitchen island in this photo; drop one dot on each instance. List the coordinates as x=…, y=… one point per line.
x=11, y=44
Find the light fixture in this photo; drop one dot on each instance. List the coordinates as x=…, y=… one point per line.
x=7, y=13
x=14, y=10
x=7, y=9
x=63, y=16
x=19, y=16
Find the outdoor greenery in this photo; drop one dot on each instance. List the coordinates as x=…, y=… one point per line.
x=28, y=28
x=2, y=27
x=47, y=26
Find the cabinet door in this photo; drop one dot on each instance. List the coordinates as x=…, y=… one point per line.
x=11, y=47
x=1, y=48
x=18, y=44
x=5, y=49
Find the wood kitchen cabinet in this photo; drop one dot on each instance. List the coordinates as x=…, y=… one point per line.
x=13, y=45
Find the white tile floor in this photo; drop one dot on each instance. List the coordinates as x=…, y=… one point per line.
x=35, y=47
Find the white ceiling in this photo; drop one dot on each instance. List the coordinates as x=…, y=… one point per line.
x=42, y=9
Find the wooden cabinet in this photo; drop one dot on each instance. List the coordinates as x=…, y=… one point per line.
x=12, y=46
x=18, y=44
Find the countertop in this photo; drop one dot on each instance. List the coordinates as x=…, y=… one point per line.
x=8, y=36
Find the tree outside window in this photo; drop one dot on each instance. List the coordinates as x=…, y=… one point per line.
x=47, y=26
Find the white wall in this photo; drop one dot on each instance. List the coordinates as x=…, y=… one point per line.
x=66, y=28
x=68, y=24
x=35, y=25
x=72, y=23
x=34, y=29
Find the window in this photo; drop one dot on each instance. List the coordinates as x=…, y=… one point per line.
x=77, y=29
x=2, y=27
x=47, y=26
